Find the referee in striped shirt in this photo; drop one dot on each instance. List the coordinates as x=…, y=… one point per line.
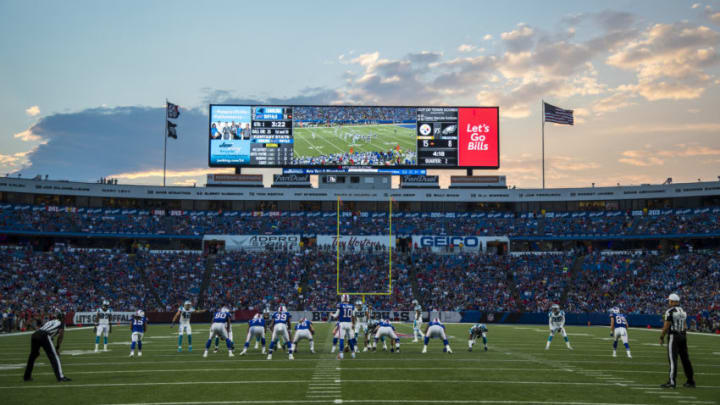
x=43, y=337
x=677, y=343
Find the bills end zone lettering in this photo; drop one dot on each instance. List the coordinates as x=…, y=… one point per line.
x=478, y=137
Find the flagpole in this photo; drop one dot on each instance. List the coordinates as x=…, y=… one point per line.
x=542, y=116
x=165, y=135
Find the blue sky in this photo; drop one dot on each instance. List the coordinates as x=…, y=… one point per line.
x=83, y=82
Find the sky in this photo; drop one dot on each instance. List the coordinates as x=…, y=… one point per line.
x=83, y=83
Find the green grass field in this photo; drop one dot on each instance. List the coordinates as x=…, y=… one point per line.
x=332, y=140
x=516, y=370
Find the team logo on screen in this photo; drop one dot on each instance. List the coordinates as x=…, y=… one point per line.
x=425, y=129
x=449, y=130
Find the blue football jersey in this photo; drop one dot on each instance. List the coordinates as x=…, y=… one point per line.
x=433, y=323
x=221, y=317
x=304, y=324
x=386, y=323
x=620, y=320
x=138, y=324
x=281, y=317
x=345, y=312
x=257, y=322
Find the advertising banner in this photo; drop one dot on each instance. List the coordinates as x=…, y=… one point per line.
x=89, y=318
x=478, y=137
x=357, y=243
x=257, y=242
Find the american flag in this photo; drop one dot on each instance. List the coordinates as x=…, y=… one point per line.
x=558, y=115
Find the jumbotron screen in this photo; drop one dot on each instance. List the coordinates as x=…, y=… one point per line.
x=350, y=136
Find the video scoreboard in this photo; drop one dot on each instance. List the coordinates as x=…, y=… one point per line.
x=354, y=136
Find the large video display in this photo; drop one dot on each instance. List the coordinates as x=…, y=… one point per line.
x=350, y=136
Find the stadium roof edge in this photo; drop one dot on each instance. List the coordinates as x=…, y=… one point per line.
x=53, y=187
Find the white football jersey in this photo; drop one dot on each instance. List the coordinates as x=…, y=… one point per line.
x=103, y=316
x=185, y=314
x=418, y=312
x=360, y=314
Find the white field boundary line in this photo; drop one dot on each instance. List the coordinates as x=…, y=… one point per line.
x=353, y=369
x=460, y=382
x=357, y=360
x=382, y=401
x=2, y=335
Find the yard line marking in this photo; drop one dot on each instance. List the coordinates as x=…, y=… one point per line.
x=380, y=401
x=354, y=369
x=585, y=383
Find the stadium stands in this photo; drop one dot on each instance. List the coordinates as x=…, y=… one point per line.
x=703, y=221
x=639, y=283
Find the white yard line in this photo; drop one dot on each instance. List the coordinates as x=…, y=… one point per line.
x=384, y=401
x=460, y=382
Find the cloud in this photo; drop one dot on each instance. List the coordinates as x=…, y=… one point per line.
x=683, y=150
x=28, y=136
x=710, y=127
x=128, y=141
x=487, y=37
x=466, y=48
x=616, y=101
x=32, y=111
x=640, y=158
x=520, y=39
x=670, y=61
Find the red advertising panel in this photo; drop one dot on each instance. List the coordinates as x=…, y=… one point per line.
x=478, y=142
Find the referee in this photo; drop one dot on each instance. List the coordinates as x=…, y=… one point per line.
x=677, y=343
x=43, y=337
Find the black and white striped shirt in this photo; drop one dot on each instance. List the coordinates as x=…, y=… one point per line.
x=52, y=328
x=676, y=316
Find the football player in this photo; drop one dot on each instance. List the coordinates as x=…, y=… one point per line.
x=219, y=328
x=304, y=330
x=336, y=336
x=372, y=328
x=346, y=321
x=256, y=329
x=385, y=328
x=417, y=321
x=138, y=328
x=280, y=326
x=184, y=313
x=102, y=325
x=435, y=329
x=556, y=322
x=361, y=315
x=476, y=331
x=618, y=330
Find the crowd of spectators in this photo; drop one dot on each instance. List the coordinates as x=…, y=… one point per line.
x=184, y=223
x=352, y=115
x=32, y=283
x=641, y=282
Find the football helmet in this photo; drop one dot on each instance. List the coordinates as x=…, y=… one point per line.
x=105, y=303
x=140, y=313
x=345, y=298
x=615, y=310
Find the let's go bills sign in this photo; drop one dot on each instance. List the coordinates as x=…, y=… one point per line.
x=89, y=318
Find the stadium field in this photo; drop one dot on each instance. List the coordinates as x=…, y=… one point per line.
x=516, y=370
x=339, y=140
